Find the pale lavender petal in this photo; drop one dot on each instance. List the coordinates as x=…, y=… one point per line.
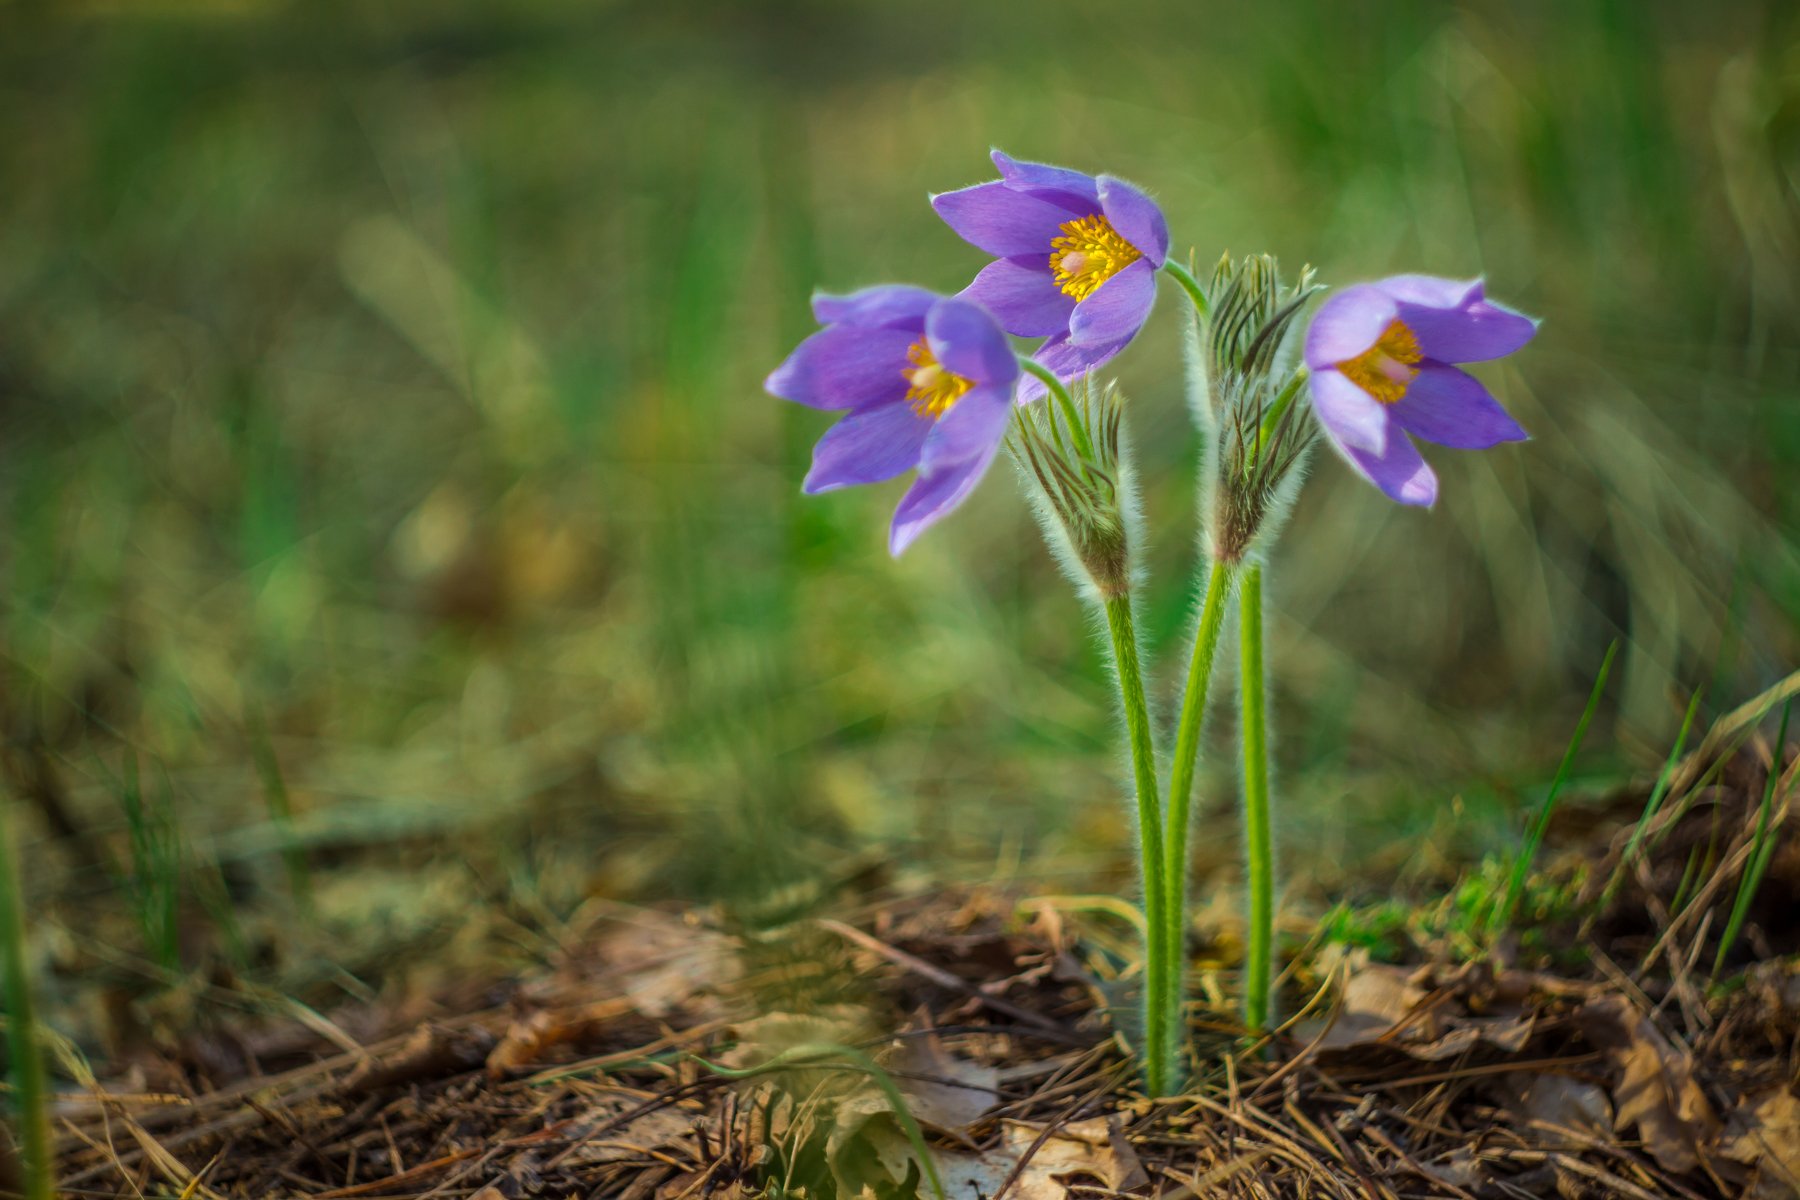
x=887, y=306
x=1399, y=471
x=1350, y=415
x=1117, y=309
x=1347, y=324
x=1022, y=295
x=964, y=338
x=972, y=427
x=1476, y=332
x=1000, y=220
x=1450, y=407
x=869, y=445
x=1068, y=361
x=1077, y=192
x=1136, y=216
x=939, y=490
x=932, y=498
x=1430, y=291
x=844, y=367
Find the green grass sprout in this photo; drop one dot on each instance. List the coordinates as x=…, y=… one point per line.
x=31, y=1087
x=1515, y=887
x=1762, y=848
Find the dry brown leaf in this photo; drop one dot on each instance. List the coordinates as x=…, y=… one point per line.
x=663, y=963
x=657, y=1129
x=943, y=1093
x=1375, y=1000
x=1382, y=1005
x=1091, y=1149
x=1656, y=1091
x=1764, y=1132
x=1551, y=1102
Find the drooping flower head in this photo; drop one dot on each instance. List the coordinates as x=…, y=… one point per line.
x=927, y=381
x=1381, y=355
x=1076, y=258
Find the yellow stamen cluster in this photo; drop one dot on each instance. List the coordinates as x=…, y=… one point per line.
x=931, y=390
x=1386, y=369
x=1089, y=253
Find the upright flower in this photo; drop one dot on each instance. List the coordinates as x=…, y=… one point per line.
x=1381, y=355
x=1075, y=259
x=928, y=384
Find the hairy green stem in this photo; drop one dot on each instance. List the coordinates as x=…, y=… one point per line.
x=1259, y=850
x=1190, y=285
x=1077, y=427
x=1181, y=785
x=31, y=1089
x=1158, y=1076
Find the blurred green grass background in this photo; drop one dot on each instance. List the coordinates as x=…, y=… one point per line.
x=399, y=548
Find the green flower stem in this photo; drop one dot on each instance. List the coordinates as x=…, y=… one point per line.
x=31, y=1089
x=1259, y=851
x=1181, y=785
x=1158, y=1076
x=1077, y=427
x=1190, y=285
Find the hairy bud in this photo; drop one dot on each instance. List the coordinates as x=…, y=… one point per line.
x=1074, y=458
x=1255, y=397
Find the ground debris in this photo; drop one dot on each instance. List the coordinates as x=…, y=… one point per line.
x=672, y=1056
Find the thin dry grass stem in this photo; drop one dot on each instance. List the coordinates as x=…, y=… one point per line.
x=1377, y=1113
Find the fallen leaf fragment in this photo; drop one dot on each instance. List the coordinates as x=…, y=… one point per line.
x=944, y=1093
x=1656, y=1091
x=1092, y=1149
x=1764, y=1133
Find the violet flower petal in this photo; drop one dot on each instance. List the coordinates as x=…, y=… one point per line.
x=1067, y=361
x=1117, y=309
x=1353, y=418
x=887, y=306
x=1022, y=295
x=1474, y=333
x=1348, y=323
x=844, y=367
x=1429, y=291
x=1000, y=220
x=1399, y=471
x=868, y=446
x=964, y=338
x=972, y=427
x=938, y=492
x=1073, y=190
x=1137, y=218
x=1450, y=407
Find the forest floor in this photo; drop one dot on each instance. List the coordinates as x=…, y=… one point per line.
x=1611, y=1038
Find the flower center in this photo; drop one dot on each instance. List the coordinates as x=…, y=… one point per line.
x=1387, y=368
x=1089, y=253
x=931, y=390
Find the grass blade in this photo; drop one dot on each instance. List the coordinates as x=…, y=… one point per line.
x=1654, y=804
x=1762, y=848
x=1528, y=853
x=30, y=1086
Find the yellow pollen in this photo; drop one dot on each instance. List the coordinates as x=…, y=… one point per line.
x=931, y=390
x=1089, y=253
x=1386, y=369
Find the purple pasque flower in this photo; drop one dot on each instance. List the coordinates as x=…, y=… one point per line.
x=1075, y=260
x=928, y=384
x=1380, y=356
